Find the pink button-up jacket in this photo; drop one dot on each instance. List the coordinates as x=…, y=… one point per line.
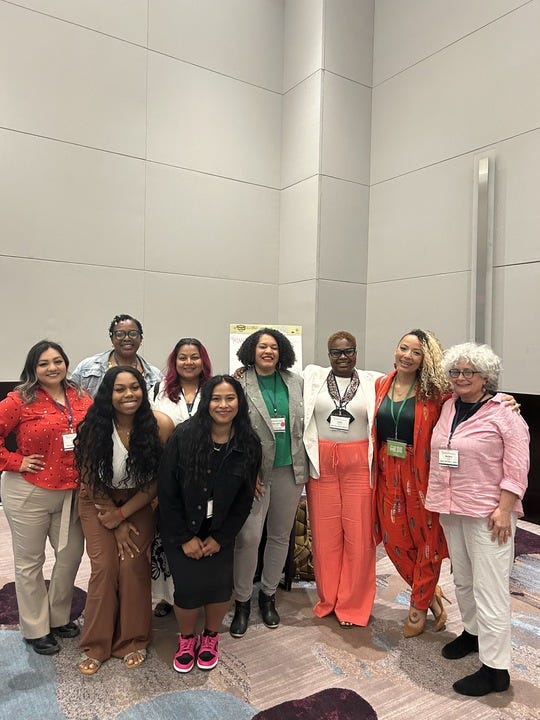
x=493, y=448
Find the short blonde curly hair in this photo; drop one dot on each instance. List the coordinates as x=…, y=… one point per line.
x=433, y=382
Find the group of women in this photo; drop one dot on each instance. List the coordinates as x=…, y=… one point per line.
x=382, y=460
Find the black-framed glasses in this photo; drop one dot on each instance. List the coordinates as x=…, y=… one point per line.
x=121, y=334
x=348, y=352
x=467, y=373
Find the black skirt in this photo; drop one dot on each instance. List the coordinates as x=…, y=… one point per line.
x=199, y=582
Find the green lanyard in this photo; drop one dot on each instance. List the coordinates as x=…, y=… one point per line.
x=396, y=420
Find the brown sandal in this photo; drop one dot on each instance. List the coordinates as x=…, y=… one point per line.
x=88, y=665
x=135, y=659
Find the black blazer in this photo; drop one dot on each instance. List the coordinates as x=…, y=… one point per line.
x=182, y=505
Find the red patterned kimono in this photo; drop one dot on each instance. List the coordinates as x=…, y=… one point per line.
x=412, y=535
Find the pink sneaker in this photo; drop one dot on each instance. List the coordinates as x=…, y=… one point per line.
x=184, y=659
x=208, y=652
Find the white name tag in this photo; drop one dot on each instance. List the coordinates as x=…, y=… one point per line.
x=448, y=458
x=278, y=424
x=67, y=440
x=209, y=508
x=340, y=423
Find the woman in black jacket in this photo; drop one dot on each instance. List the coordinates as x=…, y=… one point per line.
x=206, y=485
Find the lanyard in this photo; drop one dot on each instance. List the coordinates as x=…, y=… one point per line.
x=396, y=420
x=66, y=409
x=190, y=405
x=339, y=400
x=457, y=419
x=265, y=391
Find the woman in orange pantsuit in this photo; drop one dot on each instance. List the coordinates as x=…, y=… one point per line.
x=339, y=404
x=407, y=406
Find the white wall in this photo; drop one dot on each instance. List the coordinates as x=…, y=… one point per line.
x=325, y=168
x=140, y=153
x=453, y=82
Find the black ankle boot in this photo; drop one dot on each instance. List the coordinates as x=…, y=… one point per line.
x=483, y=681
x=240, y=620
x=267, y=604
x=463, y=645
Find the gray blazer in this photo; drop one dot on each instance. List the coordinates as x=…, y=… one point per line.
x=260, y=420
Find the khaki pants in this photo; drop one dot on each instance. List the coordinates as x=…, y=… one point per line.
x=35, y=514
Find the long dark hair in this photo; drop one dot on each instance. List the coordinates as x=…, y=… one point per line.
x=197, y=432
x=172, y=383
x=94, y=444
x=29, y=382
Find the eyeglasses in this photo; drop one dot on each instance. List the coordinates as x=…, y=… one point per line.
x=121, y=334
x=348, y=352
x=467, y=373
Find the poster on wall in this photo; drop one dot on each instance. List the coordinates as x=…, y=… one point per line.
x=238, y=332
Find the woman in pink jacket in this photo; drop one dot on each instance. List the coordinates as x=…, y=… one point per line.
x=478, y=475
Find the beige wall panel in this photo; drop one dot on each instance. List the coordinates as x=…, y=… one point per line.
x=179, y=305
x=343, y=242
x=301, y=131
x=67, y=203
x=346, y=129
x=348, y=40
x=240, y=38
x=407, y=32
x=517, y=210
x=303, y=31
x=71, y=304
x=298, y=246
x=421, y=223
x=199, y=224
x=439, y=303
x=297, y=306
x=200, y=120
x=460, y=99
x=340, y=306
x=515, y=338
x=66, y=82
x=124, y=19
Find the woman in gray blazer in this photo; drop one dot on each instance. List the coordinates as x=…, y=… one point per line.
x=274, y=396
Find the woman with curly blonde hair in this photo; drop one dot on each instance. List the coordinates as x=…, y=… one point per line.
x=408, y=404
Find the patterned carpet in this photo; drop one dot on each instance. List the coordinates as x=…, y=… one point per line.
x=401, y=678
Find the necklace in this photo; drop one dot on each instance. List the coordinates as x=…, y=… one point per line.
x=131, y=364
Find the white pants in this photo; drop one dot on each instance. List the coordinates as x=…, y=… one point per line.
x=481, y=570
x=35, y=514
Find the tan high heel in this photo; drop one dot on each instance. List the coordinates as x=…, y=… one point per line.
x=437, y=608
x=415, y=623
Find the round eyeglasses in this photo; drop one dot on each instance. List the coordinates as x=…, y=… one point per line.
x=121, y=334
x=467, y=373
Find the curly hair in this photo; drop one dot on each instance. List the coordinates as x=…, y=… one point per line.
x=94, y=443
x=286, y=355
x=481, y=357
x=197, y=432
x=342, y=335
x=120, y=318
x=29, y=381
x=172, y=385
x=433, y=382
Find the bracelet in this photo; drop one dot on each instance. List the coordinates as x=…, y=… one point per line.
x=119, y=511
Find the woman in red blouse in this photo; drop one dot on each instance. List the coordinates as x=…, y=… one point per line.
x=38, y=484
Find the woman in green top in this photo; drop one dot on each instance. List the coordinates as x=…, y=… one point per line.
x=274, y=396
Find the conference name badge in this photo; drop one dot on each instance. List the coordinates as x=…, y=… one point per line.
x=278, y=424
x=448, y=457
x=396, y=448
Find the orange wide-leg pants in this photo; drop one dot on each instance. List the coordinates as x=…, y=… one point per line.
x=341, y=517
x=412, y=536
